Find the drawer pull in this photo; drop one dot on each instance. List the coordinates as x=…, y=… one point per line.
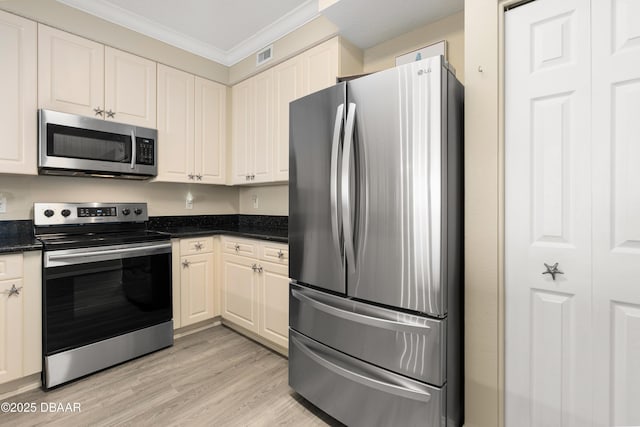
x=237, y=247
x=280, y=254
x=13, y=291
x=198, y=246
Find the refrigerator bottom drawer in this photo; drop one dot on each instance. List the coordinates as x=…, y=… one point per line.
x=357, y=393
x=413, y=346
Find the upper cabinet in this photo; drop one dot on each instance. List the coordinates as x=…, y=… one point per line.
x=261, y=108
x=79, y=76
x=129, y=88
x=18, y=103
x=191, y=128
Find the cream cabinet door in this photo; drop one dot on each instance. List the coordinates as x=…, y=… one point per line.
x=18, y=102
x=243, y=100
x=287, y=86
x=129, y=88
x=175, y=125
x=321, y=66
x=210, y=135
x=196, y=288
x=261, y=149
x=70, y=73
x=240, y=292
x=11, y=330
x=274, y=303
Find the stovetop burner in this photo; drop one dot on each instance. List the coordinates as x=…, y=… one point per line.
x=84, y=225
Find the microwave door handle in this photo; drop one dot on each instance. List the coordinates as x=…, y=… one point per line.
x=133, y=149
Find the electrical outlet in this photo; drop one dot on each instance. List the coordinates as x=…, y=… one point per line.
x=254, y=199
x=3, y=203
x=189, y=201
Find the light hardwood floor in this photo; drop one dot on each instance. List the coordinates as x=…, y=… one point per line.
x=214, y=377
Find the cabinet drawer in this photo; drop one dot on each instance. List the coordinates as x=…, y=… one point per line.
x=274, y=253
x=197, y=245
x=240, y=247
x=10, y=266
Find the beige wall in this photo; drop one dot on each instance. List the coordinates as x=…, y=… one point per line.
x=69, y=19
x=310, y=34
x=162, y=198
x=272, y=200
x=484, y=253
x=451, y=28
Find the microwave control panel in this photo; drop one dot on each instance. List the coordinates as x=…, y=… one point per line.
x=145, y=154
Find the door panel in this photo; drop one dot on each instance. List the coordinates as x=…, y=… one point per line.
x=547, y=214
x=175, y=124
x=397, y=204
x=315, y=251
x=616, y=211
x=70, y=72
x=243, y=110
x=210, y=135
x=196, y=288
x=240, y=293
x=18, y=86
x=130, y=88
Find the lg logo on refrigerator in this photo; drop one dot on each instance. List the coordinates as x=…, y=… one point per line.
x=424, y=71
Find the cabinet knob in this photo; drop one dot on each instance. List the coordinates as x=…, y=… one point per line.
x=198, y=246
x=98, y=111
x=256, y=268
x=199, y=177
x=280, y=254
x=237, y=247
x=259, y=268
x=247, y=177
x=111, y=114
x=185, y=264
x=552, y=270
x=253, y=177
x=190, y=176
x=13, y=291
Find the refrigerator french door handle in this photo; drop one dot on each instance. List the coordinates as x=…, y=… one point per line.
x=346, y=197
x=335, y=147
x=368, y=319
x=375, y=381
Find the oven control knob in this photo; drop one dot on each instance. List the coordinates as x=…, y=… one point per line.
x=65, y=212
x=126, y=211
x=48, y=213
x=137, y=211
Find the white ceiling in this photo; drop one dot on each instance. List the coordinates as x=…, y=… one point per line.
x=227, y=31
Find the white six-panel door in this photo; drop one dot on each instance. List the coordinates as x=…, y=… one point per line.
x=616, y=211
x=547, y=59
x=572, y=188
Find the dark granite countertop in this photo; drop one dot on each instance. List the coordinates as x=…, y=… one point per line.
x=264, y=227
x=17, y=236
x=250, y=232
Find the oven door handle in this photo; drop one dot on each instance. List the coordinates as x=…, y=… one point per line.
x=55, y=260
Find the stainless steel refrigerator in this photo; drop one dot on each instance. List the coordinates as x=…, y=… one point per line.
x=375, y=247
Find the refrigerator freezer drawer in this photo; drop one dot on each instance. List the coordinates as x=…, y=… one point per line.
x=359, y=394
x=410, y=345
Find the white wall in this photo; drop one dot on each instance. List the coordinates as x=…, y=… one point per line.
x=162, y=198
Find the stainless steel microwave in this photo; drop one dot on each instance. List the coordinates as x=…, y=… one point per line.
x=69, y=144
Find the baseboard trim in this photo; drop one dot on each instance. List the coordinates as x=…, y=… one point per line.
x=257, y=338
x=19, y=386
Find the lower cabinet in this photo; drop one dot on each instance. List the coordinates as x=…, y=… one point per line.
x=240, y=291
x=196, y=288
x=195, y=283
x=255, y=292
x=20, y=315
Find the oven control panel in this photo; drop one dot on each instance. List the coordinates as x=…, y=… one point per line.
x=88, y=213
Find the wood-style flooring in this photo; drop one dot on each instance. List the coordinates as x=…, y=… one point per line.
x=214, y=377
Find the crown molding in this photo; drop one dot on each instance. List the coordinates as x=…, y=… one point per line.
x=140, y=24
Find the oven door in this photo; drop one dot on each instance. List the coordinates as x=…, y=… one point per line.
x=92, y=294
